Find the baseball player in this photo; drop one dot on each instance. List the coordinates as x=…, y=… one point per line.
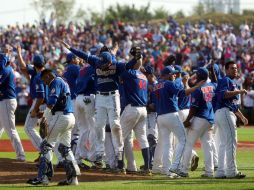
x=227, y=96
x=166, y=104
x=107, y=73
x=85, y=111
x=8, y=103
x=71, y=74
x=134, y=115
x=60, y=119
x=199, y=121
x=37, y=93
x=184, y=106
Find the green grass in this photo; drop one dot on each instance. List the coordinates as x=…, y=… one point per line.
x=244, y=134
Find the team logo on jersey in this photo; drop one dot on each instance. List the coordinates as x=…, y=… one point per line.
x=53, y=90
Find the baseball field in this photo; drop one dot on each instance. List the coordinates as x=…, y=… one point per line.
x=13, y=174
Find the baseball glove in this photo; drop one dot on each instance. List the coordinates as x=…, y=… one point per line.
x=43, y=131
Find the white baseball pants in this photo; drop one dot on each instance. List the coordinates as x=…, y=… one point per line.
x=226, y=122
x=7, y=122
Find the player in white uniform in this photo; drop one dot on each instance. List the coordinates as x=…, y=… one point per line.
x=8, y=103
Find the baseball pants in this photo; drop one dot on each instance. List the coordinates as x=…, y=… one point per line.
x=200, y=128
x=7, y=122
x=171, y=123
x=226, y=122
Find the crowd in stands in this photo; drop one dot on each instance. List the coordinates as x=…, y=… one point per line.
x=192, y=44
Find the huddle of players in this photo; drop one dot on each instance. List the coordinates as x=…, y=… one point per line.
x=134, y=88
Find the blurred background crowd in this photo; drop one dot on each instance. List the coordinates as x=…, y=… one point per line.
x=192, y=44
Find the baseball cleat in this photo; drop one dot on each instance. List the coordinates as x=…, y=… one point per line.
x=83, y=166
x=38, y=181
x=145, y=172
x=119, y=171
x=206, y=176
x=72, y=181
x=220, y=177
x=239, y=175
x=194, y=162
x=179, y=172
x=131, y=172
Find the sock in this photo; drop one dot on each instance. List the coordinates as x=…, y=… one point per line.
x=146, y=157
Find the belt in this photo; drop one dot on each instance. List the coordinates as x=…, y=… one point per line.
x=60, y=113
x=106, y=93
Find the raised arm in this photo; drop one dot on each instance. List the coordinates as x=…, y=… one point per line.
x=22, y=62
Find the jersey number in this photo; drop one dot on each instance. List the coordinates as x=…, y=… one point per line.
x=208, y=97
x=142, y=84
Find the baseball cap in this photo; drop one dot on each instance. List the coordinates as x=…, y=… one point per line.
x=216, y=70
x=105, y=57
x=38, y=60
x=149, y=69
x=178, y=68
x=184, y=73
x=69, y=57
x=168, y=70
x=202, y=73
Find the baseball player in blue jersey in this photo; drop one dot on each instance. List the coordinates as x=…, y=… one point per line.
x=85, y=114
x=134, y=115
x=71, y=74
x=107, y=73
x=227, y=109
x=37, y=93
x=166, y=104
x=184, y=106
x=8, y=103
x=60, y=119
x=199, y=122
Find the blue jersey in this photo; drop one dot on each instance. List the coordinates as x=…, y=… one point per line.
x=166, y=93
x=183, y=101
x=71, y=75
x=201, y=99
x=7, y=83
x=107, y=80
x=86, y=81
x=32, y=73
x=60, y=96
x=224, y=85
x=3, y=60
x=40, y=88
x=135, y=87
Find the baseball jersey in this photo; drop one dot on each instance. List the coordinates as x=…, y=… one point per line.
x=107, y=80
x=166, y=93
x=86, y=81
x=201, y=99
x=183, y=101
x=60, y=96
x=32, y=73
x=7, y=83
x=224, y=85
x=151, y=97
x=71, y=75
x=135, y=85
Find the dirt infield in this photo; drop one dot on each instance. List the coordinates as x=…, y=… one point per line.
x=5, y=145
x=13, y=172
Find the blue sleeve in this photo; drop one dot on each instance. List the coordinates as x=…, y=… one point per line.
x=222, y=88
x=3, y=60
x=120, y=67
x=55, y=90
x=3, y=76
x=40, y=91
x=30, y=69
x=91, y=59
x=195, y=97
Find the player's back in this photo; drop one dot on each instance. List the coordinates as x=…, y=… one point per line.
x=7, y=83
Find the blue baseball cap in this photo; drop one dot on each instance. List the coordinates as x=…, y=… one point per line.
x=69, y=57
x=178, y=68
x=38, y=60
x=202, y=73
x=149, y=69
x=168, y=70
x=184, y=73
x=105, y=57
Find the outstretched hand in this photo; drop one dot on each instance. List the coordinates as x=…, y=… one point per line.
x=65, y=44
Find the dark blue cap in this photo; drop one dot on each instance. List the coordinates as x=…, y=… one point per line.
x=168, y=70
x=184, y=73
x=202, y=73
x=38, y=61
x=178, y=68
x=149, y=69
x=105, y=57
x=69, y=57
